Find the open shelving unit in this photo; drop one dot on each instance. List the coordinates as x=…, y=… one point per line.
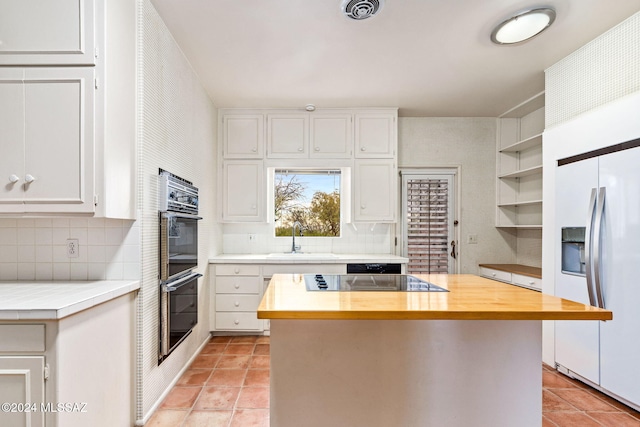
x=519, y=165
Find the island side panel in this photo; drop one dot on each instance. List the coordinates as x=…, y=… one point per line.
x=409, y=373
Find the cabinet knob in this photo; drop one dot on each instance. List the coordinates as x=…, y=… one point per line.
x=300, y=149
x=237, y=270
x=254, y=149
x=493, y=274
x=317, y=148
x=236, y=286
x=363, y=207
x=236, y=322
x=28, y=178
x=14, y=178
x=531, y=282
x=363, y=149
x=237, y=304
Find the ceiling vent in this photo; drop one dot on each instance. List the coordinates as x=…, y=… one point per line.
x=361, y=9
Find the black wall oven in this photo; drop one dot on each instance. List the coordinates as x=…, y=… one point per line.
x=178, y=235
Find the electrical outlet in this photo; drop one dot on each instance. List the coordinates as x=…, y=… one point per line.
x=472, y=239
x=73, y=248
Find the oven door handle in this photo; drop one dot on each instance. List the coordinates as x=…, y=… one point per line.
x=179, y=215
x=177, y=284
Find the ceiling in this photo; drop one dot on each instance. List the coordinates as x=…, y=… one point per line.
x=430, y=58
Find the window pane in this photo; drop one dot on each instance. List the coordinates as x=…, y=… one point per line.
x=309, y=197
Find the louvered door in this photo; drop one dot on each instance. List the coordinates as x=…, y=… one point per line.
x=428, y=223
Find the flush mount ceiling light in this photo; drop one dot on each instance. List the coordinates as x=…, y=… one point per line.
x=523, y=26
x=361, y=9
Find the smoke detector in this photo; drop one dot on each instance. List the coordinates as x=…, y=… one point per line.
x=361, y=9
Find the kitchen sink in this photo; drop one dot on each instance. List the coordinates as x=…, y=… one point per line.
x=301, y=256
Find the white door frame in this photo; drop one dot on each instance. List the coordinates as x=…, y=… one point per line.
x=454, y=212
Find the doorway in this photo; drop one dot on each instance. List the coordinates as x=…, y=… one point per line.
x=428, y=220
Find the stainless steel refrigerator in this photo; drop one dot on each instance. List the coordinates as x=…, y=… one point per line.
x=597, y=210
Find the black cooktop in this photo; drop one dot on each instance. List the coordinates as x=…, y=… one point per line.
x=369, y=282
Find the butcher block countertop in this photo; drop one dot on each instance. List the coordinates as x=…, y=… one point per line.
x=470, y=297
x=525, y=270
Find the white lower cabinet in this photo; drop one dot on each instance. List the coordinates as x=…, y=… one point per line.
x=521, y=280
x=238, y=289
x=22, y=390
x=84, y=362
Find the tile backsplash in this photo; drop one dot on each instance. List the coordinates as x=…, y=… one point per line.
x=36, y=249
x=259, y=239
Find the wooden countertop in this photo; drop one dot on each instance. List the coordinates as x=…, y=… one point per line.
x=525, y=270
x=470, y=297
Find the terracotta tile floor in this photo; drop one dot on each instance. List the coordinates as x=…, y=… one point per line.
x=228, y=385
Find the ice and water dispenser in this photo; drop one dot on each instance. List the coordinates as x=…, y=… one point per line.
x=573, y=250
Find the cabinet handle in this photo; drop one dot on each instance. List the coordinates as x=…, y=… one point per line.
x=236, y=322
x=363, y=149
x=28, y=178
x=237, y=304
x=236, y=286
x=531, y=282
x=237, y=270
x=300, y=149
x=254, y=149
x=363, y=207
x=493, y=274
x=317, y=148
x=14, y=178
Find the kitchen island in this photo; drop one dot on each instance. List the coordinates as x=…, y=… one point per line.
x=467, y=357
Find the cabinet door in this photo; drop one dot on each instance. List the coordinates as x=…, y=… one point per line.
x=11, y=139
x=47, y=32
x=243, y=192
x=287, y=135
x=59, y=140
x=375, y=135
x=375, y=190
x=331, y=136
x=22, y=383
x=243, y=136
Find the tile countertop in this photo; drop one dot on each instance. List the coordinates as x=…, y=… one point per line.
x=56, y=300
x=306, y=258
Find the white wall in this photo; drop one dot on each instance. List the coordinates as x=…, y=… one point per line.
x=176, y=132
x=593, y=101
x=469, y=143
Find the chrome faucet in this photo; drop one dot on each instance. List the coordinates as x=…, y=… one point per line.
x=295, y=248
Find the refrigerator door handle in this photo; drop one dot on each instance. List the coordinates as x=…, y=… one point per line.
x=597, y=225
x=588, y=247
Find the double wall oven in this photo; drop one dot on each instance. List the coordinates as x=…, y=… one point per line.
x=178, y=216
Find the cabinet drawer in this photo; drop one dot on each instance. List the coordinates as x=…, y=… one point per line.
x=238, y=285
x=503, y=276
x=22, y=338
x=271, y=269
x=237, y=302
x=238, y=321
x=237, y=270
x=527, y=281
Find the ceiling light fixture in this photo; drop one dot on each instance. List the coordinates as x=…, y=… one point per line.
x=523, y=26
x=361, y=9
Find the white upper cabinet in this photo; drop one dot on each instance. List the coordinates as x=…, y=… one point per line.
x=54, y=32
x=287, y=135
x=375, y=191
x=376, y=135
x=317, y=135
x=243, y=136
x=47, y=139
x=243, y=191
x=331, y=136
